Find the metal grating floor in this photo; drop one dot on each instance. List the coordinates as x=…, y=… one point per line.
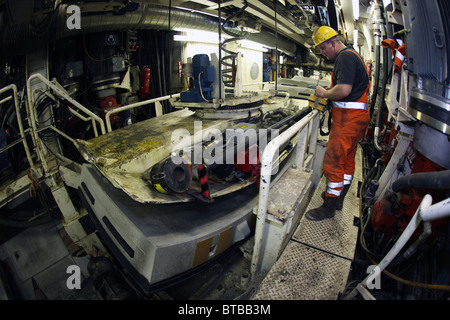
x=316, y=262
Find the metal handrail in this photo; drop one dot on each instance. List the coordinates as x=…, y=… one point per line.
x=65, y=96
x=134, y=105
x=59, y=91
x=267, y=161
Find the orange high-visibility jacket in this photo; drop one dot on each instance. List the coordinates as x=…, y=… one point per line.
x=398, y=49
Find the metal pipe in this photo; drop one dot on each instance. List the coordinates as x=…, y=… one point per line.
x=31, y=113
x=437, y=211
x=219, y=66
x=378, y=27
x=379, y=121
x=422, y=238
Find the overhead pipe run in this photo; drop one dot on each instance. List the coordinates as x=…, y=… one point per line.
x=20, y=39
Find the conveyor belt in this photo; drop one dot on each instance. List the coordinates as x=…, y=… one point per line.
x=316, y=262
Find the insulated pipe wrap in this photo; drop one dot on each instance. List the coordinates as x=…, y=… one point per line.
x=20, y=39
x=428, y=180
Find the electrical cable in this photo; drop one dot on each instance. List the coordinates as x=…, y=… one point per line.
x=89, y=56
x=412, y=283
x=200, y=87
x=230, y=73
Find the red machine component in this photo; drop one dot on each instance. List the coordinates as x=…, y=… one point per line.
x=390, y=141
x=251, y=165
x=369, y=66
x=422, y=164
x=393, y=213
x=107, y=103
x=145, y=82
x=180, y=69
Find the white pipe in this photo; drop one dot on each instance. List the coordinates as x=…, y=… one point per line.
x=264, y=187
x=404, y=238
x=376, y=135
x=389, y=173
x=437, y=211
x=425, y=212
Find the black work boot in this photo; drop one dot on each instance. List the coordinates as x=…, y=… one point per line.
x=340, y=203
x=326, y=211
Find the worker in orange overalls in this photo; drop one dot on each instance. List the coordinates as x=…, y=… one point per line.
x=350, y=115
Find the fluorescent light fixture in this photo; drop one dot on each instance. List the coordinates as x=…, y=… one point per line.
x=198, y=36
x=190, y=35
x=248, y=44
x=190, y=38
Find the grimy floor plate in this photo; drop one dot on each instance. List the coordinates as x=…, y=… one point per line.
x=316, y=262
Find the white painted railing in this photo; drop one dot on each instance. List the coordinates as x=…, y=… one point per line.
x=59, y=91
x=307, y=140
x=135, y=105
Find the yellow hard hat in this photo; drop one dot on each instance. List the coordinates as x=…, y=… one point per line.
x=323, y=34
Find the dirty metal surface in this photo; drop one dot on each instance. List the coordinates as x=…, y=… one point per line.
x=246, y=98
x=123, y=155
x=304, y=273
x=337, y=235
x=317, y=259
x=135, y=148
x=280, y=203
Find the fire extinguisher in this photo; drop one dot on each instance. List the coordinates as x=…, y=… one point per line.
x=369, y=66
x=145, y=82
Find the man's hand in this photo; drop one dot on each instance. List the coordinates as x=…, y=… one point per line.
x=338, y=92
x=320, y=91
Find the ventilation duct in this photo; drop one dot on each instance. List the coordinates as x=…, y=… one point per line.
x=20, y=39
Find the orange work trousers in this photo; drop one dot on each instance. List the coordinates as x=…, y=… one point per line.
x=348, y=127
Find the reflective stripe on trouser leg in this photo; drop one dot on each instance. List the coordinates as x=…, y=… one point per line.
x=348, y=179
x=334, y=189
